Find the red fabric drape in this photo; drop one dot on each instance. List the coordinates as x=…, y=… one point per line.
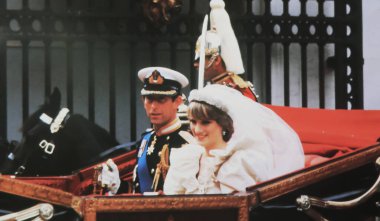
x=330, y=133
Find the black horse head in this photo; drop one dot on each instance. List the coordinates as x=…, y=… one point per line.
x=50, y=108
x=56, y=142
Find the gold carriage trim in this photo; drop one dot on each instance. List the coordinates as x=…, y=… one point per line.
x=146, y=92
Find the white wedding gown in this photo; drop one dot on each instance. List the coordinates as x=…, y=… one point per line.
x=262, y=147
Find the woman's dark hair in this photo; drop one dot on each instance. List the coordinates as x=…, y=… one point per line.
x=203, y=111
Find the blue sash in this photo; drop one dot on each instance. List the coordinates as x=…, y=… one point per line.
x=143, y=174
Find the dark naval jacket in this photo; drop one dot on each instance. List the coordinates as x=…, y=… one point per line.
x=153, y=157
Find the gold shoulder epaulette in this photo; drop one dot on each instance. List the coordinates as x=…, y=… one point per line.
x=238, y=80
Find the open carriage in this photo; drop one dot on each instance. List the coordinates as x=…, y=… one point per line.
x=341, y=148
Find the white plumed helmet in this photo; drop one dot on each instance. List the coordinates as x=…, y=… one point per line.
x=221, y=38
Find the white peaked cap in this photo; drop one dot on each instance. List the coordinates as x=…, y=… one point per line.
x=166, y=73
x=230, y=52
x=162, y=81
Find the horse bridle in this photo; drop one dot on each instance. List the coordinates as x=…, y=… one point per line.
x=55, y=125
x=59, y=120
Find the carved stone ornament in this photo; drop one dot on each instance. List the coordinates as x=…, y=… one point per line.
x=161, y=12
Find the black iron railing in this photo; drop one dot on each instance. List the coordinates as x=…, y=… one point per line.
x=92, y=51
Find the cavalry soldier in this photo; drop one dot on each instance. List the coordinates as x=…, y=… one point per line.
x=161, y=96
x=223, y=62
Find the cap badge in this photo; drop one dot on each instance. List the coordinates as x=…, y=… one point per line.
x=156, y=78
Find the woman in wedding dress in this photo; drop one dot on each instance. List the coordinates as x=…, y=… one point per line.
x=238, y=143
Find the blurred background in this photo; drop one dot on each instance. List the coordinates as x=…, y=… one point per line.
x=299, y=53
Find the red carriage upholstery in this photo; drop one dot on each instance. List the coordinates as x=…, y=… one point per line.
x=331, y=133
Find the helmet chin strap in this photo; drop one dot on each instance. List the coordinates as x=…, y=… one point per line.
x=212, y=60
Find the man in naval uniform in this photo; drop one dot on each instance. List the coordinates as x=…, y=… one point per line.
x=223, y=62
x=161, y=95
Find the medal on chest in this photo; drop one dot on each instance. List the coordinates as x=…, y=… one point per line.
x=151, y=147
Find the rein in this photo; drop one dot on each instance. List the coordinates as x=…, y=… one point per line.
x=112, y=152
